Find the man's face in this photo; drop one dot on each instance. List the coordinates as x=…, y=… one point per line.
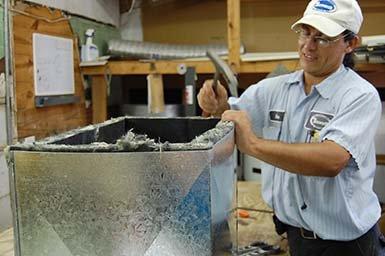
x=317, y=58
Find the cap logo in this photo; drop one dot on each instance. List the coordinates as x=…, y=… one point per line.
x=325, y=6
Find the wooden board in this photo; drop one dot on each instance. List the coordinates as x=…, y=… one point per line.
x=6, y=243
x=200, y=23
x=131, y=67
x=234, y=33
x=381, y=161
x=264, y=25
x=99, y=99
x=42, y=122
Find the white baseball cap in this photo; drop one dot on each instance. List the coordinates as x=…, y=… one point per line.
x=332, y=17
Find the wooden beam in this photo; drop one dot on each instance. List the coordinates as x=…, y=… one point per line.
x=131, y=67
x=99, y=99
x=380, y=159
x=234, y=33
x=267, y=66
x=144, y=68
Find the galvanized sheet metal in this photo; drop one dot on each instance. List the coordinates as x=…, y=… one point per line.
x=124, y=203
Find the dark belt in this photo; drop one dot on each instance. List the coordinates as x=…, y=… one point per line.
x=306, y=234
x=281, y=228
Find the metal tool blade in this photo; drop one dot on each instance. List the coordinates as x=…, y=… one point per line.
x=223, y=68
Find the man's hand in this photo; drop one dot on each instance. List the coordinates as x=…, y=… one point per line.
x=244, y=134
x=301, y=158
x=213, y=102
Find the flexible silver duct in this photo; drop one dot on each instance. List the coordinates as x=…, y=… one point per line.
x=148, y=50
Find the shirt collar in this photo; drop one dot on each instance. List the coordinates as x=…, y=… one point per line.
x=295, y=78
x=326, y=88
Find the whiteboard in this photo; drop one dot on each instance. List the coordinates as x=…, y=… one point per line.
x=53, y=65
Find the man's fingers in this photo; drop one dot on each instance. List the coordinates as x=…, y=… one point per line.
x=211, y=100
x=237, y=116
x=230, y=115
x=208, y=89
x=221, y=92
x=207, y=98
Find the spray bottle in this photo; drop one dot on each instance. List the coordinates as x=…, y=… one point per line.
x=89, y=51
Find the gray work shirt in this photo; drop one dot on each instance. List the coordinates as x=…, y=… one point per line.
x=343, y=108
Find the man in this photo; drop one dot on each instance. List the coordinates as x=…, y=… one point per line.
x=314, y=131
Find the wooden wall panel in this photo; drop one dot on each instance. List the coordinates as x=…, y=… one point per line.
x=200, y=23
x=265, y=24
x=42, y=122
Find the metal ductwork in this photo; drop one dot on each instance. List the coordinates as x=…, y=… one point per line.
x=129, y=186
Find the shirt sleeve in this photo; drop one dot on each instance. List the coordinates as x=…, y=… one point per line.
x=254, y=103
x=355, y=124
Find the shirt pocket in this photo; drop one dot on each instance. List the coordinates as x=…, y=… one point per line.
x=271, y=132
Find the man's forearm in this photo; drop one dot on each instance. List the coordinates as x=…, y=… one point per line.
x=313, y=159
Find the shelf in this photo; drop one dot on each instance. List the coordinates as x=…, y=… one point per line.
x=171, y=67
x=132, y=67
x=238, y=63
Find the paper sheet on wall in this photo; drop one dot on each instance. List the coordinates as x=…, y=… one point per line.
x=53, y=65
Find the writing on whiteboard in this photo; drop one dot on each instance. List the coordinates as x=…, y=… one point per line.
x=53, y=65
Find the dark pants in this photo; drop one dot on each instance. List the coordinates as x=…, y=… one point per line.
x=303, y=243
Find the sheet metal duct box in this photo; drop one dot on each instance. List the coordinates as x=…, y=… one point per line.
x=129, y=186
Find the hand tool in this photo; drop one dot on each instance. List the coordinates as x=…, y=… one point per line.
x=222, y=68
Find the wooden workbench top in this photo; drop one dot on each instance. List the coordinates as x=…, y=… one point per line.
x=6, y=243
x=259, y=226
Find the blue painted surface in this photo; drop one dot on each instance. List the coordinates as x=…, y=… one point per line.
x=195, y=211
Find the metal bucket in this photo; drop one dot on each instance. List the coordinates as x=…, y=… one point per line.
x=129, y=186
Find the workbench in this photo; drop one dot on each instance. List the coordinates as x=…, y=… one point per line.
x=6, y=243
x=259, y=226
